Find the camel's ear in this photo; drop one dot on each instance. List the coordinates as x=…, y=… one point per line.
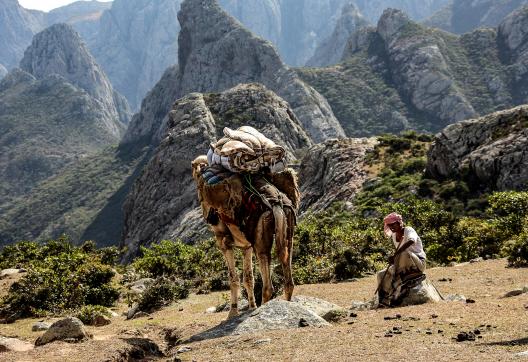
x=197, y=165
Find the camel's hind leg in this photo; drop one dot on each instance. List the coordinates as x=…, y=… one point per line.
x=263, y=246
x=284, y=246
x=249, y=279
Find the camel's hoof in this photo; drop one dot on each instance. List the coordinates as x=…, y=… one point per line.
x=232, y=313
x=253, y=306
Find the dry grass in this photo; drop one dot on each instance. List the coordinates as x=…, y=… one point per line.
x=364, y=340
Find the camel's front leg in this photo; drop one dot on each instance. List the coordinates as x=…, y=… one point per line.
x=249, y=280
x=263, y=246
x=234, y=281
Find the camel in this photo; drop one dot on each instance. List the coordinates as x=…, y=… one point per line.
x=223, y=208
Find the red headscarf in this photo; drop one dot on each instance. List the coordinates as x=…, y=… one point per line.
x=391, y=219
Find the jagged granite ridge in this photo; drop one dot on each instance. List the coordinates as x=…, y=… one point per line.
x=215, y=58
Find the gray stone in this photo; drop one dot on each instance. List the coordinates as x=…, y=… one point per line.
x=476, y=260
x=330, y=312
x=424, y=292
x=66, y=329
x=516, y=292
x=455, y=298
x=139, y=286
x=40, y=326
x=14, y=345
x=6, y=273
x=361, y=306
x=276, y=314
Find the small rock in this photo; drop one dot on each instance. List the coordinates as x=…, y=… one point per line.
x=470, y=301
x=132, y=311
x=11, y=272
x=112, y=313
x=101, y=320
x=66, y=329
x=303, y=323
x=353, y=315
x=455, y=298
x=476, y=331
x=360, y=306
x=434, y=316
x=139, y=286
x=522, y=354
x=388, y=318
x=40, y=326
x=14, y=345
x=465, y=336
x=184, y=349
x=262, y=341
x=440, y=331
x=210, y=310
x=477, y=260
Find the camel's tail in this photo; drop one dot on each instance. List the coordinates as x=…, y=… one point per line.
x=280, y=228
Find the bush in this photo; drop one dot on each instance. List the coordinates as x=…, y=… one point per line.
x=88, y=313
x=60, y=277
x=162, y=292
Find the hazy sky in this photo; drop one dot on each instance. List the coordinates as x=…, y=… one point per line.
x=45, y=5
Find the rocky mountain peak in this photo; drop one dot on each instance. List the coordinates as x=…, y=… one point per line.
x=331, y=50
x=514, y=30
x=3, y=71
x=60, y=50
x=392, y=21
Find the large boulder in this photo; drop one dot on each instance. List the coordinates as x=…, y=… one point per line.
x=423, y=292
x=14, y=345
x=488, y=151
x=67, y=329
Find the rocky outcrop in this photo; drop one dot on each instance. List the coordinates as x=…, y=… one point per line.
x=490, y=152
x=420, y=69
x=163, y=201
x=215, y=58
x=330, y=50
x=59, y=50
x=417, y=9
x=333, y=171
x=462, y=16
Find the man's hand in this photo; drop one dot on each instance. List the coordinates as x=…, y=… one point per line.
x=391, y=259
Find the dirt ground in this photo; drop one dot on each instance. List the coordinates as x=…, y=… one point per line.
x=428, y=331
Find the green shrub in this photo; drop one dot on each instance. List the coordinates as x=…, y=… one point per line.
x=510, y=209
x=60, y=277
x=516, y=250
x=88, y=313
x=161, y=293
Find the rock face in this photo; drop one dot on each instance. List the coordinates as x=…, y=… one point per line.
x=163, y=201
x=71, y=124
x=462, y=16
x=215, y=58
x=17, y=27
x=421, y=70
x=333, y=171
x=330, y=50
x=68, y=329
x=59, y=50
x=418, y=77
x=489, y=151
x=3, y=71
x=136, y=42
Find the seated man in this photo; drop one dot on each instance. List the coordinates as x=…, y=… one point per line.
x=407, y=263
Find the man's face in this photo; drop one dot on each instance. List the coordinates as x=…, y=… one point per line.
x=395, y=227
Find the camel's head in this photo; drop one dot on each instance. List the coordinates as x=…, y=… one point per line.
x=197, y=166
